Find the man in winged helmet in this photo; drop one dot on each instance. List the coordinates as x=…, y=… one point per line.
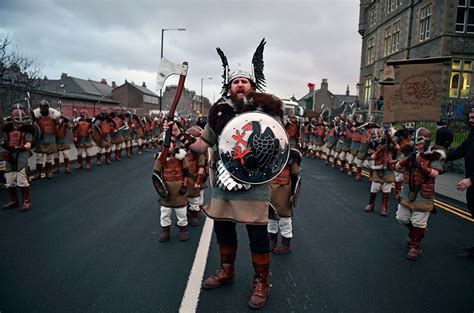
x=247, y=206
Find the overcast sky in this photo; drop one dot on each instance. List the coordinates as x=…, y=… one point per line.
x=117, y=40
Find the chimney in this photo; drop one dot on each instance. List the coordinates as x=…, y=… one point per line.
x=114, y=85
x=63, y=75
x=347, y=90
x=103, y=81
x=324, y=84
x=144, y=85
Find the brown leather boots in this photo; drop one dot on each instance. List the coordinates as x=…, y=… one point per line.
x=14, y=203
x=227, y=272
x=260, y=285
x=416, y=235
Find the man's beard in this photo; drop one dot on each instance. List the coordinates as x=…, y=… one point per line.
x=238, y=104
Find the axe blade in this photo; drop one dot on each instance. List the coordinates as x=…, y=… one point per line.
x=168, y=68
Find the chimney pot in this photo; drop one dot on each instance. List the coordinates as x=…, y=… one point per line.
x=144, y=85
x=63, y=75
x=114, y=85
x=103, y=81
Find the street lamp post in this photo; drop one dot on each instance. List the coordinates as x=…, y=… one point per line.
x=161, y=55
x=202, y=79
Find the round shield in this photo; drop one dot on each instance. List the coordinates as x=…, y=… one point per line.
x=254, y=147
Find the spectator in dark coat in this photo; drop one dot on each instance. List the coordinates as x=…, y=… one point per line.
x=466, y=151
x=444, y=135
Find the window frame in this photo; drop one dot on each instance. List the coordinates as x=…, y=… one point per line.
x=461, y=77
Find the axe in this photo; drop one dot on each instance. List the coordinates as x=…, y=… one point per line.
x=166, y=69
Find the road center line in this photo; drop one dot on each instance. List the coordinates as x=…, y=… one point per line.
x=193, y=288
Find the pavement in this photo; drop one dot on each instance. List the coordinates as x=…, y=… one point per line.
x=90, y=244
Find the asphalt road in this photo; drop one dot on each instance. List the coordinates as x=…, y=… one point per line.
x=90, y=244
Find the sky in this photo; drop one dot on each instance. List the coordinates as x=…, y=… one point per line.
x=307, y=40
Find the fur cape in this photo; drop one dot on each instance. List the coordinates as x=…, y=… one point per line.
x=223, y=111
x=435, y=153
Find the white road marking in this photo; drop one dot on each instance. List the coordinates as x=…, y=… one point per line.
x=193, y=288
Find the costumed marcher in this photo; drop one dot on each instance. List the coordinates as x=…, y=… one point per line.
x=127, y=132
x=147, y=132
x=2, y=159
x=102, y=128
x=18, y=136
x=403, y=139
x=382, y=173
x=139, y=131
x=62, y=144
x=363, y=153
x=306, y=137
x=421, y=168
x=319, y=137
x=340, y=134
x=47, y=119
x=284, y=191
x=233, y=202
x=356, y=136
x=346, y=144
x=332, y=139
x=174, y=173
x=116, y=135
x=466, y=151
x=293, y=130
x=196, y=182
x=82, y=139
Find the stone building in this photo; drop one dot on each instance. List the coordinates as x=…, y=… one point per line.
x=189, y=104
x=411, y=29
x=138, y=99
x=313, y=101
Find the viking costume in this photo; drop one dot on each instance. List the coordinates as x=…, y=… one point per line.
x=116, y=136
x=340, y=135
x=139, y=131
x=346, y=144
x=306, y=138
x=293, y=131
x=253, y=149
x=356, y=136
x=331, y=141
x=283, y=191
x=82, y=139
x=103, y=124
x=382, y=173
x=16, y=134
x=147, y=131
x=319, y=136
x=127, y=133
x=196, y=182
x=416, y=199
x=403, y=147
x=47, y=119
x=62, y=144
x=174, y=174
x=363, y=152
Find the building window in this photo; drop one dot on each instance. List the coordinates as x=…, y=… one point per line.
x=373, y=16
x=150, y=99
x=461, y=74
x=391, y=39
x=393, y=4
x=370, y=50
x=368, y=89
x=465, y=17
x=425, y=23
